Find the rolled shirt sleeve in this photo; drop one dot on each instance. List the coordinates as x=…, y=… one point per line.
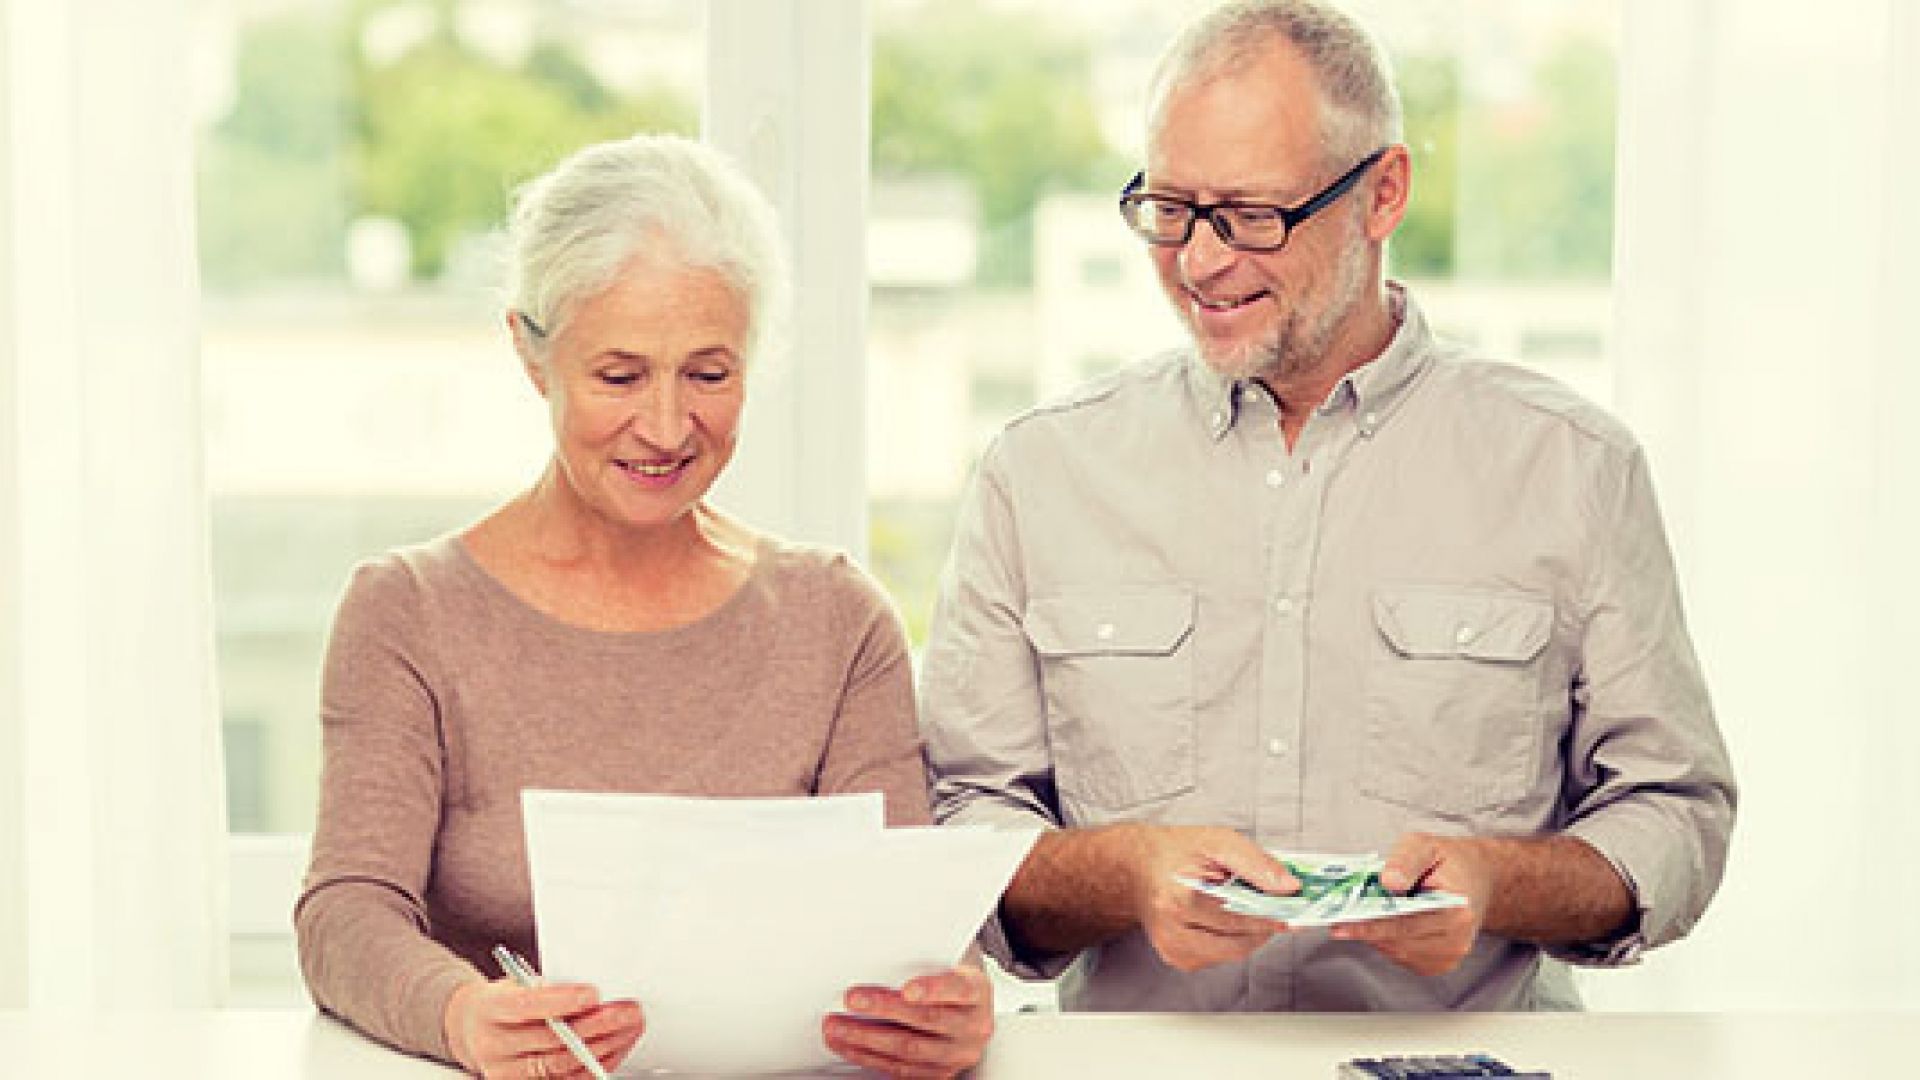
x=981, y=707
x=1649, y=782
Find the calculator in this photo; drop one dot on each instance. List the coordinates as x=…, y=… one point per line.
x=1447, y=1067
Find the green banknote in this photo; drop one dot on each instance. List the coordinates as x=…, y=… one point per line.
x=1333, y=889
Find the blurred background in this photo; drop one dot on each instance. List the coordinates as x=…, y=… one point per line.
x=357, y=157
x=252, y=334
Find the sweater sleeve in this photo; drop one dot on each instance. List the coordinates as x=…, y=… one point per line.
x=361, y=920
x=875, y=742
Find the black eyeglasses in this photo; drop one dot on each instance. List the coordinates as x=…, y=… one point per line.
x=1165, y=221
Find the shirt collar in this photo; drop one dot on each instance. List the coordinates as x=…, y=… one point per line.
x=1373, y=392
x=1217, y=396
x=1370, y=394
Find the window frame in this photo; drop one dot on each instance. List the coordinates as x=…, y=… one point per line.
x=793, y=111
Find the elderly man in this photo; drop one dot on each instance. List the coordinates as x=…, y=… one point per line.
x=1320, y=583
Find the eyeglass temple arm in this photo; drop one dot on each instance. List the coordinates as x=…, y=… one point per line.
x=1305, y=210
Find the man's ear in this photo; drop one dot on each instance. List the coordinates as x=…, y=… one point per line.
x=1387, y=195
x=528, y=350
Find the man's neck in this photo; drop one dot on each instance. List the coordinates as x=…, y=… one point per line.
x=1361, y=339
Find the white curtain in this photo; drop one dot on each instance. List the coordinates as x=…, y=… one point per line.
x=115, y=837
x=1768, y=251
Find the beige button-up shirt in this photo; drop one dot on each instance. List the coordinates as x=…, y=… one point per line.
x=1451, y=608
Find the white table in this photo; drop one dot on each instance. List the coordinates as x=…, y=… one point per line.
x=297, y=1045
x=1571, y=1046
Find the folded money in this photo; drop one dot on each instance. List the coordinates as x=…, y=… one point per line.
x=1333, y=889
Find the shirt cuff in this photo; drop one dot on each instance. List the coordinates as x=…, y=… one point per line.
x=1622, y=950
x=994, y=939
x=1618, y=845
x=1031, y=967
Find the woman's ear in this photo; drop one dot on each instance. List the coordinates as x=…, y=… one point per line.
x=528, y=347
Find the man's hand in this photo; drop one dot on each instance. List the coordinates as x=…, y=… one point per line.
x=931, y=1028
x=1189, y=929
x=1430, y=942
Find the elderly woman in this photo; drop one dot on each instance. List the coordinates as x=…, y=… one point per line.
x=605, y=630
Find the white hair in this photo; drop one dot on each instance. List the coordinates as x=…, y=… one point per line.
x=1361, y=107
x=658, y=197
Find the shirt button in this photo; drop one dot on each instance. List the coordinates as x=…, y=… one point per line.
x=1277, y=747
x=1275, y=478
x=1218, y=417
x=1283, y=606
x=1104, y=631
x=1465, y=635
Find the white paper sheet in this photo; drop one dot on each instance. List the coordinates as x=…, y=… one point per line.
x=738, y=924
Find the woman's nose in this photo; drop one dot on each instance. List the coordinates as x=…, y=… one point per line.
x=662, y=417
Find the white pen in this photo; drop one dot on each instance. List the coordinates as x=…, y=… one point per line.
x=518, y=970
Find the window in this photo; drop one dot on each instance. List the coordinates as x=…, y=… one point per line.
x=1025, y=117
x=355, y=159
x=360, y=395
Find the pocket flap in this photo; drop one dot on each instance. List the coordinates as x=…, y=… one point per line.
x=1478, y=626
x=1118, y=624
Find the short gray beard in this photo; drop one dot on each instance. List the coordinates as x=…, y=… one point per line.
x=1297, y=348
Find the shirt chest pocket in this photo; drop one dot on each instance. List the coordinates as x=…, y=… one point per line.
x=1117, y=673
x=1454, y=695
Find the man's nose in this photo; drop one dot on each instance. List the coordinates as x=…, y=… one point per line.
x=1206, y=253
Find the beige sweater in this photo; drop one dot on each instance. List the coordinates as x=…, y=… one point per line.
x=444, y=695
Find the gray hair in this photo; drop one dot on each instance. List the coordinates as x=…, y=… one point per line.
x=659, y=197
x=1360, y=106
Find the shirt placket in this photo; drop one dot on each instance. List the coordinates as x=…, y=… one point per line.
x=1292, y=486
x=1287, y=526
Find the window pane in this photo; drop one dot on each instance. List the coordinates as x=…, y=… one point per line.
x=355, y=160
x=1002, y=274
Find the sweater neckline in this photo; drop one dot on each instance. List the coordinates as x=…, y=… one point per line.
x=725, y=612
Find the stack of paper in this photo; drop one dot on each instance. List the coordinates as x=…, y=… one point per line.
x=738, y=924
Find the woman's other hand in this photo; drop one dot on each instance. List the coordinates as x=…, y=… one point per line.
x=931, y=1028
x=498, y=1029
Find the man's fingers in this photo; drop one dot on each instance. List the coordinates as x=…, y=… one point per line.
x=1191, y=930
x=1399, y=928
x=1229, y=924
x=1242, y=858
x=1196, y=909
x=1413, y=857
x=1199, y=949
x=1431, y=943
